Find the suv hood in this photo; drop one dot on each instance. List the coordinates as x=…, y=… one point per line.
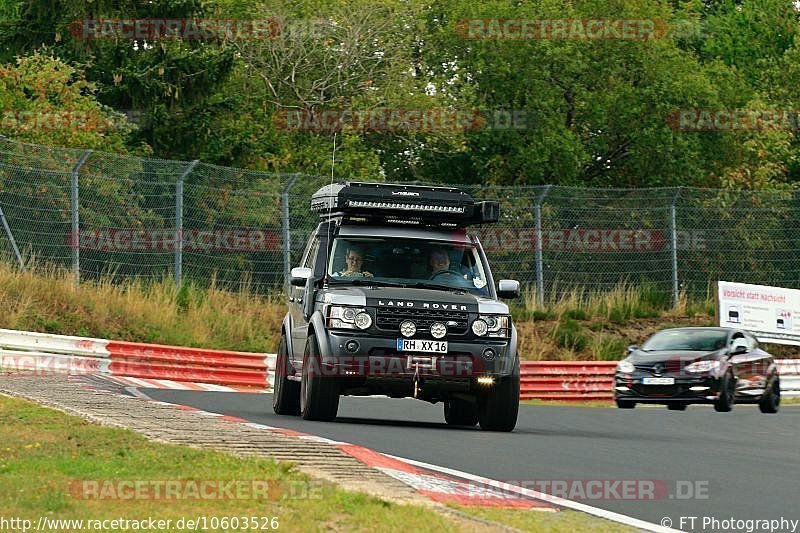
x=406, y=297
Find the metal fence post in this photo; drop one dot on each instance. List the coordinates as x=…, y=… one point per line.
x=179, y=222
x=76, y=218
x=11, y=239
x=537, y=211
x=287, y=242
x=673, y=231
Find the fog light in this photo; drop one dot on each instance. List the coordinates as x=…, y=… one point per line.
x=621, y=388
x=352, y=346
x=486, y=381
x=489, y=354
x=698, y=388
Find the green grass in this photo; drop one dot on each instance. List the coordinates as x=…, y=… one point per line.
x=568, y=335
x=563, y=521
x=44, y=451
x=622, y=302
x=46, y=299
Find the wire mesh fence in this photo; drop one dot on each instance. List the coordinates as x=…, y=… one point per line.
x=101, y=214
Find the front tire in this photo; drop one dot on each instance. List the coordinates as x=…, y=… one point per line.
x=499, y=407
x=285, y=393
x=724, y=403
x=771, y=400
x=459, y=412
x=319, y=394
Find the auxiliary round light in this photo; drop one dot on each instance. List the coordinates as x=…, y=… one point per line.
x=408, y=328
x=438, y=330
x=363, y=320
x=480, y=328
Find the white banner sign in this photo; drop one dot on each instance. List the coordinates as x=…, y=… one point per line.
x=771, y=313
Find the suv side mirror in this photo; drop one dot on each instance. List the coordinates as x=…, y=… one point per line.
x=299, y=276
x=632, y=348
x=508, y=288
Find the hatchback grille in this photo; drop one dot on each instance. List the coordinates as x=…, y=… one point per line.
x=670, y=366
x=390, y=319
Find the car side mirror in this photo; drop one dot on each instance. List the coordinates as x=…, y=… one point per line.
x=739, y=349
x=632, y=348
x=299, y=276
x=508, y=288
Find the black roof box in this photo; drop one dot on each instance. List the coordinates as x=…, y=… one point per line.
x=390, y=202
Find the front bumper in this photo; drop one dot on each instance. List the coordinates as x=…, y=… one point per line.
x=702, y=388
x=377, y=357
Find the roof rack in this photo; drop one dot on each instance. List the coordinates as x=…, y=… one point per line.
x=401, y=204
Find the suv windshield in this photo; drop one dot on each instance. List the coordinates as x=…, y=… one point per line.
x=408, y=262
x=690, y=340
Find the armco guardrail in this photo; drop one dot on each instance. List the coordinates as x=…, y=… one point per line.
x=24, y=350
x=567, y=380
x=44, y=352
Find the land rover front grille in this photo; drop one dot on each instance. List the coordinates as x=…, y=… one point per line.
x=390, y=319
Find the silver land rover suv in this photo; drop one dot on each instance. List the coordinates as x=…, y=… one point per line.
x=395, y=297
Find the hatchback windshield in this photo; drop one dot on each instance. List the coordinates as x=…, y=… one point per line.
x=705, y=340
x=408, y=262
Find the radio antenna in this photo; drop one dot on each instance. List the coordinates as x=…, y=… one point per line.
x=330, y=207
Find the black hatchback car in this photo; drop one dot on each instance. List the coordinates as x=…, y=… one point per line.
x=681, y=366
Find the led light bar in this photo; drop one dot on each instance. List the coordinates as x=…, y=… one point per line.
x=409, y=207
x=389, y=203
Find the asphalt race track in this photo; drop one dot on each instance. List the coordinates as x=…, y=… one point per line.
x=748, y=462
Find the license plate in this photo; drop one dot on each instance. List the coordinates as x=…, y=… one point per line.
x=658, y=381
x=418, y=345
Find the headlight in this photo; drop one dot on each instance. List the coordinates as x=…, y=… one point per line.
x=342, y=317
x=496, y=325
x=625, y=366
x=702, y=366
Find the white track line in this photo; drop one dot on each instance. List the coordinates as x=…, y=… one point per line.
x=140, y=382
x=171, y=384
x=133, y=391
x=561, y=502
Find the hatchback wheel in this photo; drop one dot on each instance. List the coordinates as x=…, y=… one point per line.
x=724, y=403
x=771, y=400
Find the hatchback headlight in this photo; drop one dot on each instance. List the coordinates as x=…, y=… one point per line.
x=343, y=317
x=700, y=367
x=625, y=367
x=497, y=325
